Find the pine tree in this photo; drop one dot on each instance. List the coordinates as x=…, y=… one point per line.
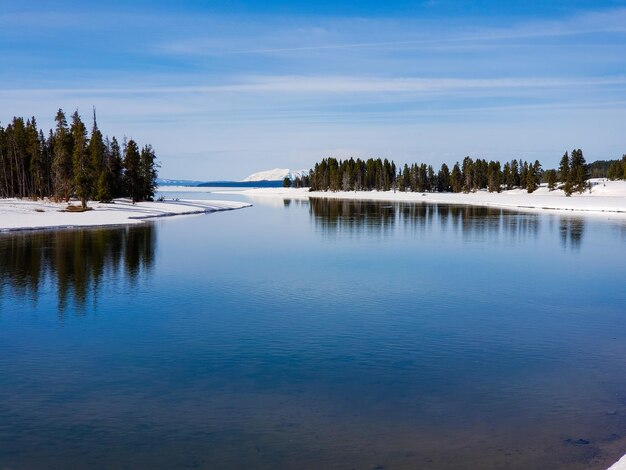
x=431, y=178
x=422, y=178
x=506, y=175
x=537, y=173
x=468, y=174
x=132, y=171
x=37, y=163
x=116, y=167
x=4, y=165
x=456, y=179
x=105, y=191
x=551, y=178
x=515, y=177
x=81, y=164
x=47, y=154
x=406, y=178
x=443, y=179
x=567, y=187
x=578, y=171
x=615, y=170
x=524, y=174
x=62, y=162
x=148, y=173
x=99, y=170
x=564, y=168
x=494, y=177
x=533, y=176
x=19, y=157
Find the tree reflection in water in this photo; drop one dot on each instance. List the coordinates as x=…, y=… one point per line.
x=472, y=223
x=73, y=262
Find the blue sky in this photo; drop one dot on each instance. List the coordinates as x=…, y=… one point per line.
x=225, y=89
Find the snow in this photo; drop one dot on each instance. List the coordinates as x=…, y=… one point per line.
x=25, y=214
x=277, y=174
x=605, y=196
x=619, y=465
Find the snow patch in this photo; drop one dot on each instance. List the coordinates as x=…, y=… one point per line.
x=25, y=214
x=619, y=465
x=605, y=197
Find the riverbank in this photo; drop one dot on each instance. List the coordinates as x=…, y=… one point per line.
x=25, y=214
x=619, y=465
x=606, y=197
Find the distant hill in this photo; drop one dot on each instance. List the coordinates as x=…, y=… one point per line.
x=241, y=184
x=168, y=182
x=277, y=174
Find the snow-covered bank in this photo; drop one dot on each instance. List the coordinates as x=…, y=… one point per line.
x=605, y=197
x=619, y=465
x=24, y=214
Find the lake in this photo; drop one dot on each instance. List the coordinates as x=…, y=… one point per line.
x=297, y=334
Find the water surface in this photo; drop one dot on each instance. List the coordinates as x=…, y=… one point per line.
x=316, y=334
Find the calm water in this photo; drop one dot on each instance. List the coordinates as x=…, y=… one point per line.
x=316, y=335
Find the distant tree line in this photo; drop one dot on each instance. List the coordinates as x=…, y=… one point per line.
x=383, y=175
x=302, y=181
x=612, y=169
x=469, y=175
x=70, y=162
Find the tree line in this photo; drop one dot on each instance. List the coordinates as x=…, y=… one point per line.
x=70, y=162
x=617, y=169
x=383, y=175
x=469, y=175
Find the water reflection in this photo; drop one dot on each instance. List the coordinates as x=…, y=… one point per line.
x=73, y=262
x=351, y=216
x=473, y=223
x=571, y=230
x=254, y=330
x=296, y=202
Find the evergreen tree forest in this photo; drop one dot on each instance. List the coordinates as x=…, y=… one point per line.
x=70, y=161
x=612, y=169
x=467, y=176
x=383, y=175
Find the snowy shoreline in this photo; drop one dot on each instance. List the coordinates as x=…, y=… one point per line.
x=606, y=198
x=25, y=214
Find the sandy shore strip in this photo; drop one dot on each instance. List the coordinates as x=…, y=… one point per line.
x=25, y=214
x=606, y=197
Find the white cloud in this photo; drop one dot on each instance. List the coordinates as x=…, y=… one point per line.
x=227, y=96
x=339, y=84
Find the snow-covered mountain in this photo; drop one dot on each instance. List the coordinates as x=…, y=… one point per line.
x=277, y=174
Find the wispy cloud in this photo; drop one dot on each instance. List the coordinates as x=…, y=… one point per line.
x=419, y=34
x=292, y=88
x=342, y=85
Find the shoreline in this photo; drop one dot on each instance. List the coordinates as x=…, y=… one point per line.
x=607, y=198
x=18, y=215
x=619, y=465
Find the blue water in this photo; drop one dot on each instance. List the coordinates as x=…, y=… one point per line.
x=316, y=335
